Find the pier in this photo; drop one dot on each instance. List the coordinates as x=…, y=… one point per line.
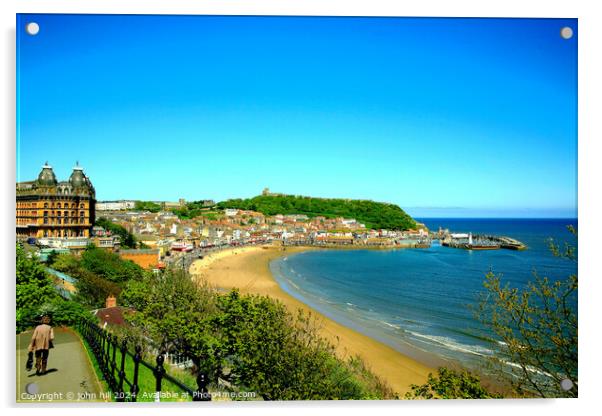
x=480, y=242
x=506, y=242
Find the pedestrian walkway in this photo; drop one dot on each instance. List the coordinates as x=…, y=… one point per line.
x=69, y=378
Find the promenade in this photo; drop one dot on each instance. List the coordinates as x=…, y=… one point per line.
x=69, y=378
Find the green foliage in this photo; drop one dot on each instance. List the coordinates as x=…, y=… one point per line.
x=109, y=265
x=36, y=295
x=66, y=312
x=251, y=340
x=63, y=312
x=99, y=273
x=184, y=213
x=147, y=206
x=66, y=263
x=536, y=328
x=176, y=313
x=196, y=209
x=450, y=384
x=34, y=287
x=374, y=215
x=284, y=357
x=127, y=239
x=93, y=290
x=28, y=317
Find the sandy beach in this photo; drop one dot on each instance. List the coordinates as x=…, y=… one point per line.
x=247, y=269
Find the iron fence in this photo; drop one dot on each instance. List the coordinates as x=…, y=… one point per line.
x=111, y=355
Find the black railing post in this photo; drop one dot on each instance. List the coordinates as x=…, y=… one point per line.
x=121, y=393
x=114, y=344
x=159, y=372
x=201, y=394
x=103, y=355
x=106, y=348
x=137, y=358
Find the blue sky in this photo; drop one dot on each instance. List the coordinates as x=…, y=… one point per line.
x=445, y=117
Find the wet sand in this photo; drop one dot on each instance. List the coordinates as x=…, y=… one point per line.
x=248, y=270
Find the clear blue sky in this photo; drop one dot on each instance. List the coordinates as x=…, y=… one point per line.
x=445, y=117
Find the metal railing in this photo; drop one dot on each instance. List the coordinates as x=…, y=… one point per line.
x=111, y=355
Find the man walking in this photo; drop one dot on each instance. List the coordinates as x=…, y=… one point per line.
x=41, y=342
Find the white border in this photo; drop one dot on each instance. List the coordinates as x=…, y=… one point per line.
x=590, y=134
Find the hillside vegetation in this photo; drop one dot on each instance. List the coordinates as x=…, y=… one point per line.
x=374, y=215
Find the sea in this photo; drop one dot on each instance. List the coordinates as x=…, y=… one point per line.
x=422, y=301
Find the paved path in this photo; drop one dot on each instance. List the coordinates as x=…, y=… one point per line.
x=70, y=376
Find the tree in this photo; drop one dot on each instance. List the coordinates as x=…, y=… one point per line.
x=253, y=341
x=93, y=290
x=109, y=265
x=127, y=239
x=147, y=206
x=177, y=313
x=450, y=384
x=99, y=273
x=36, y=295
x=34, y=287
x=284, y=357
x=535, y=330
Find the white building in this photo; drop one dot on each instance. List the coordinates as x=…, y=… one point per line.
x=115, y=205
x=230, y=212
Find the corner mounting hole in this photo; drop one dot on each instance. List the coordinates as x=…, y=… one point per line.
x=566, y=32
x=32, y=28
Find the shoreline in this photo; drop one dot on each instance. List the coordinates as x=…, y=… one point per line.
x=247, y=268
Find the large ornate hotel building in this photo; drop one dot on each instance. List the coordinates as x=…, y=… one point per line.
x=48, y=208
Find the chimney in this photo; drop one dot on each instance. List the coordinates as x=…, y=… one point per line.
x=111, y=302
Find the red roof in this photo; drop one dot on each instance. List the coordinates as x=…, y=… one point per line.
x=111, y=316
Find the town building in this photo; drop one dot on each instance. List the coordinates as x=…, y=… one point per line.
x=49, y=208
x=115, y=205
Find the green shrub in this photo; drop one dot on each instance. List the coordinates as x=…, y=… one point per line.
x=252, y=341
x=450, y=384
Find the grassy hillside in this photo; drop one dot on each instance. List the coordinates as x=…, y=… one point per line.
x=374, y=215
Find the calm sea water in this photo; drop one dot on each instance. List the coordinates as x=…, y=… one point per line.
x=418, y=300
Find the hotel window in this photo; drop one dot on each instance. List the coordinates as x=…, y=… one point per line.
x=46, y=205
x=58, y=205
x=66, y=213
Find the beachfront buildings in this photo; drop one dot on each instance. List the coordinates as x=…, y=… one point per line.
x=217, y=228
x=46, y=207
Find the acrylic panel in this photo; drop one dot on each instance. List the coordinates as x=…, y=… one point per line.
x=232, y=208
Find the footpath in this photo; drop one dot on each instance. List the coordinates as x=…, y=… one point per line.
x=69, y=377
